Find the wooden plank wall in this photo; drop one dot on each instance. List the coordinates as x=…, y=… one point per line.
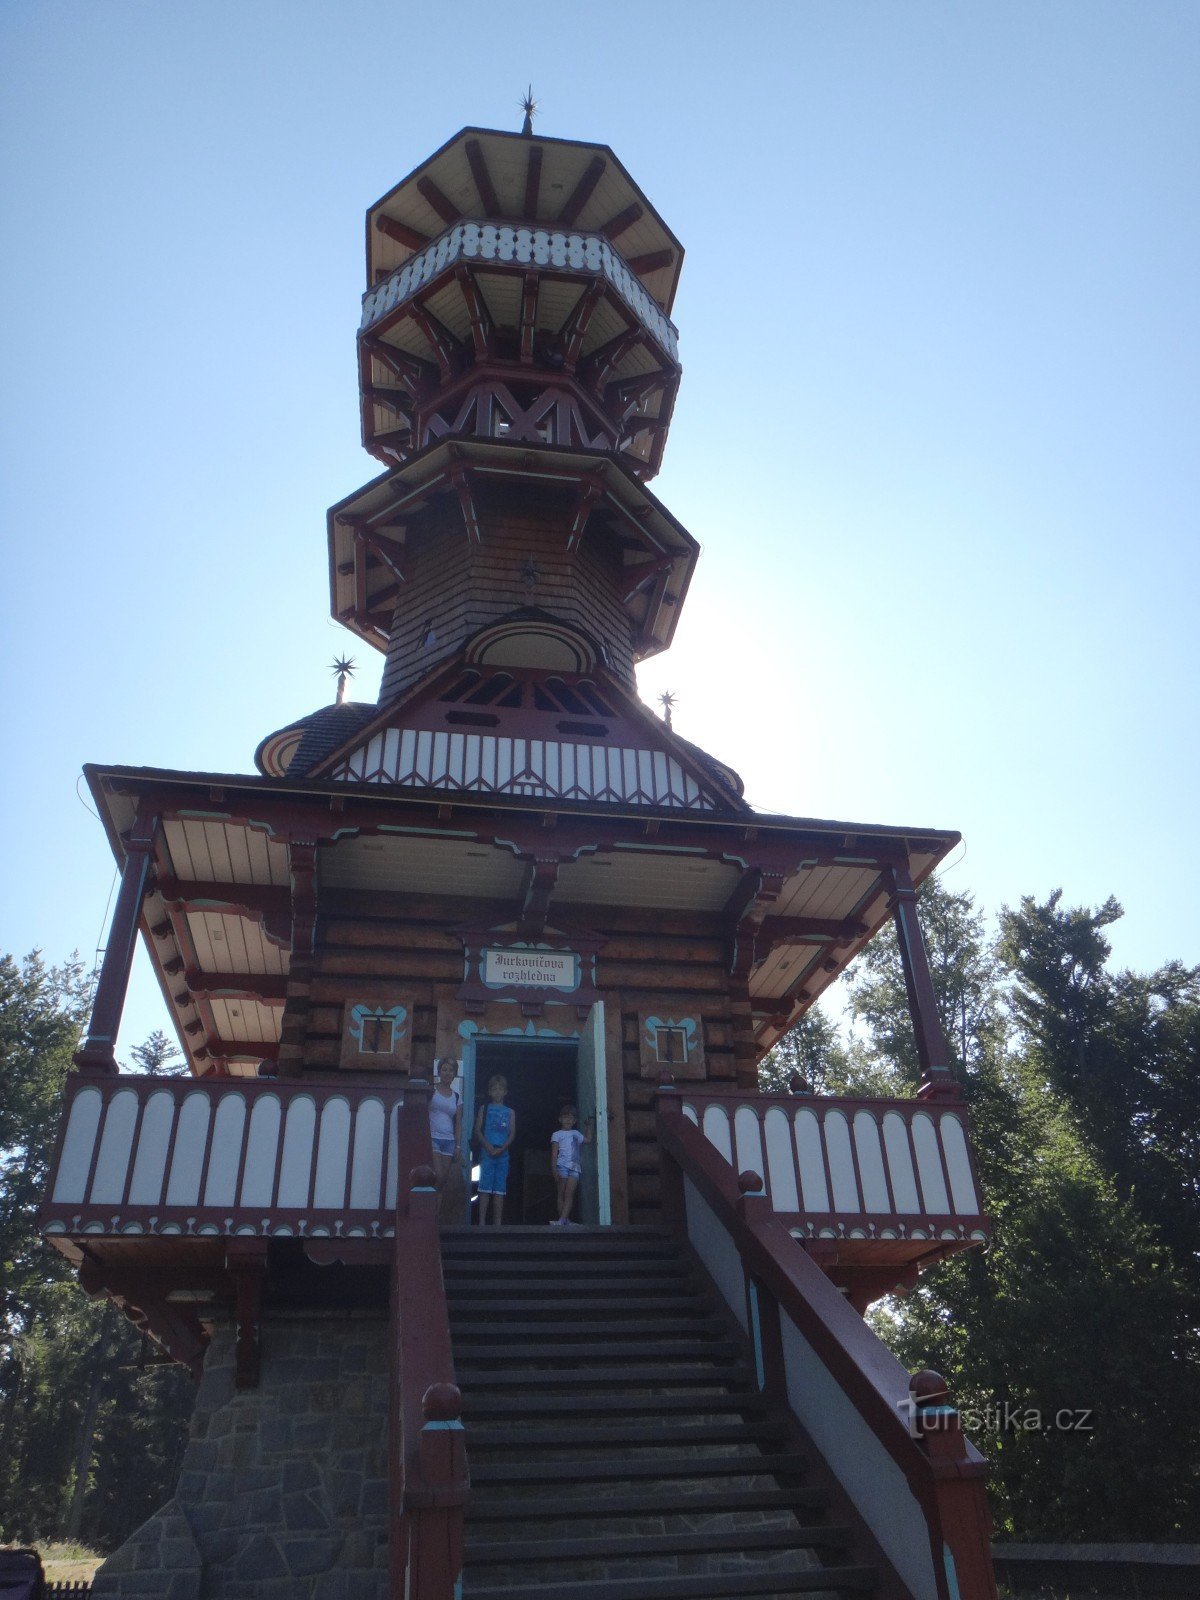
x=457, y=588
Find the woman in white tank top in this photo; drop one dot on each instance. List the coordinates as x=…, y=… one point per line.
x=445, y=1119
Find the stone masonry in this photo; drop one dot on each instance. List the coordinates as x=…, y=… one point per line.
x=282, y=1494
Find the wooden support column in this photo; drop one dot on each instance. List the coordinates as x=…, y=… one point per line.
x=293, y=1030
x=247, y=1263
x=96, y=1054
x=937, y=1081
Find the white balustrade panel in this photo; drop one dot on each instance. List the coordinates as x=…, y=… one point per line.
x=213, y=1149
x=537, y=247
x=835, y=1161
x=541, y=768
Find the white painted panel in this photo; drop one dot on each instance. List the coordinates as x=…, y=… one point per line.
x=262, y=1151
x=870, y=1163
x=220, y=1184
x=900, y=1167
x=187, y=1158
x=150, y=1163
x=958, y=1164
x=690, y=1113
x=393, y=1159
x=295, y=1167
x=116, y=1146
x=712, y=1243
x=841, y=1162
x=781, y=1166
x=78, y=1144
x=866, y=1469
x=716, y=1130
x=929, y=1164
x=810, y=1155
x=333, y=1155
x=366, y=1172
x=748, y=1141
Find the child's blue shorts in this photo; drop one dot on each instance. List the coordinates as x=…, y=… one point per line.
x=493, y=1174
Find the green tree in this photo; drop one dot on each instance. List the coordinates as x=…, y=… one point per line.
x=159, y=1056
x=89, y=1433
x=1081, y=1303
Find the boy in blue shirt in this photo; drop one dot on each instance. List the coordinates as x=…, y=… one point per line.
x=495, y=1129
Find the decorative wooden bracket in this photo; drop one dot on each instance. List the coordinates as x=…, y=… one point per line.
x=247, y=1263
x=757, y=890
x=540, y=879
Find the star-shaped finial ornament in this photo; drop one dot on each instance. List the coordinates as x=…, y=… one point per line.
x=344, y=667
x=529, y=107
x=667, y=700
x=530, y=574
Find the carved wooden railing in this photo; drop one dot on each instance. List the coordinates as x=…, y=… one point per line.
x=429, y=1476
x=846, y=1169
x=892, y=1445
x=559, y=250
x=248, y=1157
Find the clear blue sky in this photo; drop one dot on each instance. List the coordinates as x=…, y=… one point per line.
x=937, y=432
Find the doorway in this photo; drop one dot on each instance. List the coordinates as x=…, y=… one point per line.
x=544, y=1075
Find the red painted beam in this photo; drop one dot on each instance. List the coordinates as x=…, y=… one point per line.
x=616, y=226
x=483, y=178
x=267, y=987
x=533, y=181
x=652, y=261
x=582, y=191
x=410, y=238
x=441, y=203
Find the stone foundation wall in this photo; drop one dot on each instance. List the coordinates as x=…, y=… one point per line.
x=282, y=1494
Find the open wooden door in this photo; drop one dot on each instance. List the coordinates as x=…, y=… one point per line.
x=591, y=1096
x=465, y=1084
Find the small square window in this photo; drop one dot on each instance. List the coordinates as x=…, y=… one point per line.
x=378, y=1034
x=670, y=1045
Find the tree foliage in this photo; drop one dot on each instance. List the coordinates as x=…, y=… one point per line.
x=89, y=1433
x=1083, y=1091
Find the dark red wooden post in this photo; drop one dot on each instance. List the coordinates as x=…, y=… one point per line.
x=960, y=1490
x=96, y=1054
x=937, y=1081
x=669, y=1105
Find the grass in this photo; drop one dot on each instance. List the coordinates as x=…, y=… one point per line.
x=65, y=1561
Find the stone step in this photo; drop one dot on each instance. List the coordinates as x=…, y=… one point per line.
x=662, y=1376
x=624, y=1436
x=566, y=1354
x=683, y=1467
x=699, y=1327
x=620, y=1304
x=487, y=1264
x=483, y=1552
x=748, y=1402
x=649, y=1501
x=567, y=1292
x=767, y=1584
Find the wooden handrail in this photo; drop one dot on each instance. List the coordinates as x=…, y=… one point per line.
x=943, y=1470
x=429, y=1476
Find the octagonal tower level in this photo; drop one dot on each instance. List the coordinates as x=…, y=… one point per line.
x=519, y=288
x=517, y=368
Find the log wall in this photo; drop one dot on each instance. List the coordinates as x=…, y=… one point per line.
x=403, y=951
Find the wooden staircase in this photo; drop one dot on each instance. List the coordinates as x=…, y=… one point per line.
x=619, y=1446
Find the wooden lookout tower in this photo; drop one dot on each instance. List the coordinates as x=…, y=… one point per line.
x=510, y=862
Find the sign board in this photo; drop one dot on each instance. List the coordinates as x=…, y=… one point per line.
x=531, y=969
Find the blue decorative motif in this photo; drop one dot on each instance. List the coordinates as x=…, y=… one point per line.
x=472, y=1030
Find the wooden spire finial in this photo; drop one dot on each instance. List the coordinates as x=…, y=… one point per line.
x=667, y=700
x=529, y=107
x=344, y=667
